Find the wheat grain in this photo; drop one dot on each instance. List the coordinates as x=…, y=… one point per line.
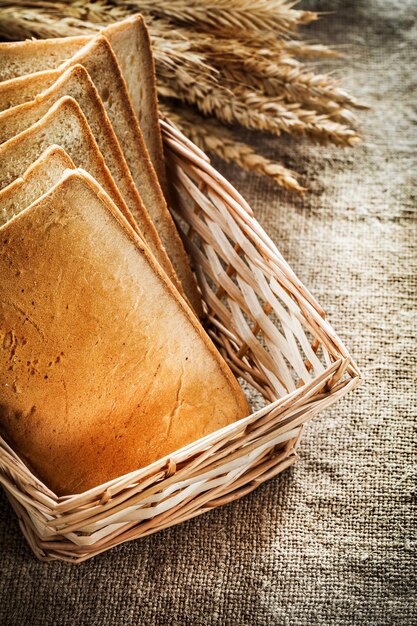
x=303, y=49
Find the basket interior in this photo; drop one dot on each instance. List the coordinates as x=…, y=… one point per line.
x=268, y=327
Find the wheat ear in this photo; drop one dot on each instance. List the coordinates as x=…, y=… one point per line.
x=213, y=137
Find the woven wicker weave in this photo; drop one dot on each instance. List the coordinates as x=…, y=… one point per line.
x=271, y=332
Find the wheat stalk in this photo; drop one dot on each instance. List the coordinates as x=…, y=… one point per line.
x=196, y=54
x=230, y=100
x=235, y=61
x=292, y=93
x=254, y=111
x=242, y=65
x=215, y=138
x=16, y=25
x=224, y=17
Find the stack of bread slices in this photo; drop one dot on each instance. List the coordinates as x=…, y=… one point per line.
x=104, y=365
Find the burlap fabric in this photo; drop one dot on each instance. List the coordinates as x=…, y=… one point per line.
x=330, y=542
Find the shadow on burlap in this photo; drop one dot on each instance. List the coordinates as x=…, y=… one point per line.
x=330, y=542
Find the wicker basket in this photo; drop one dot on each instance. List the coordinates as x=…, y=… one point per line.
x=273, y=335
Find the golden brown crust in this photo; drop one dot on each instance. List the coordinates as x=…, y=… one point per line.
x=101, y=63
x=130, y=41
x=25, y=88
x=43, y=174
x=104, y=369
x=76, y=82
x=127, y=38
x=63, y=124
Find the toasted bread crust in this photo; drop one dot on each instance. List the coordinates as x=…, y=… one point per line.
x=64, y=117
x=43, y=174
x=76, y=82
x=25, y=88
x=96, y=56
x=41, y=54
x=141, y=88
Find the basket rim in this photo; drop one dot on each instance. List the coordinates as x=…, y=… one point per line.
x=178, y=455
x=174, y=140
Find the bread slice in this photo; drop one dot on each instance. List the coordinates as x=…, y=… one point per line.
x=25, y=57
x=25, y=88
x=104, y=369
x=97, y=57
x=43, y=174
x=100, y=62
x=76, y=82
x=65, y=125
x=130, y=42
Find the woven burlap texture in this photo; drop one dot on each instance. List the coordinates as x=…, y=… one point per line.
x=330, y=542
